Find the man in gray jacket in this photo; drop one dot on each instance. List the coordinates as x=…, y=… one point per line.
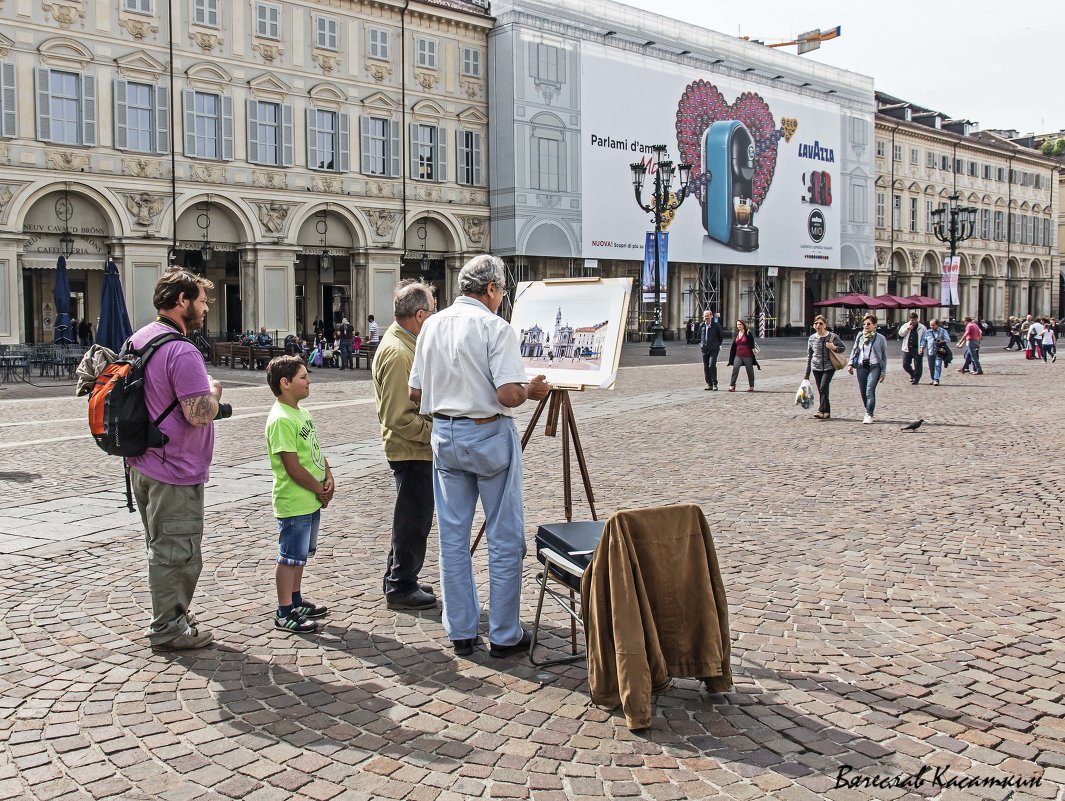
x=911, y=334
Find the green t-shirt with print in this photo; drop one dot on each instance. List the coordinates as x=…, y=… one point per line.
x=290, y=430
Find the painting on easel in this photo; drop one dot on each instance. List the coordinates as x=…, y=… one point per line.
x=571, y=330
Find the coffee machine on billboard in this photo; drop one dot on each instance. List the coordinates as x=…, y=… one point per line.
x=728, y=151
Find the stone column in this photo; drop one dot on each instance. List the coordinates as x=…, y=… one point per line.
x=12, y=324
x=140, y=264
x=382, y=269
x=452, y=264
x=275, y=298
x=360, y=290
x=249, y=288
x=997, y=309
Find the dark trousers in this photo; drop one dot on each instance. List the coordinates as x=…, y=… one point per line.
x=411, y=521
x=346, y=360
x=913, y=364
x=710, y=367
x=743, y=361
x=823, y=378
x=1015, y=338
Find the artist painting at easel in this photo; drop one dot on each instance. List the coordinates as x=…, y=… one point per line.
x=468, y=374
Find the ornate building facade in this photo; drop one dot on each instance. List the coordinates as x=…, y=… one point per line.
x=303, y=155
x=922, y=158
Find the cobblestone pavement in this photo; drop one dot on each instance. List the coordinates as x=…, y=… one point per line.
x=896, y=604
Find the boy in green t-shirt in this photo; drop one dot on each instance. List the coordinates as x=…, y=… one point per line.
x=303, y=486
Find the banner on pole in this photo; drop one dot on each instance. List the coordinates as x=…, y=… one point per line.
x=648, y=282
x=949, y=289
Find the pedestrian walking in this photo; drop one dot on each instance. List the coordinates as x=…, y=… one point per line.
x=936, y=348
x=303, y=486
x=743, y=353
x=405, y=436
x=468, y=374
x=711, y=335
x=373, y=332
x=1013, y=326
x=821, y=344
x=971, y=338
x=869, y=360
x=168, y=481
x=912, y=335
x=1049, y=342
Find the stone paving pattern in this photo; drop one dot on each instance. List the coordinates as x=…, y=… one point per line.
x=896, y=602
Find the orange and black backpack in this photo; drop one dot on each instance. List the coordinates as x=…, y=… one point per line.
x=118, y=412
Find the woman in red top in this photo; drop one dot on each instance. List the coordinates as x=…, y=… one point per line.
x=742, y=354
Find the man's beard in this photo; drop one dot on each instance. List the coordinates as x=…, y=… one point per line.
x=192, y=320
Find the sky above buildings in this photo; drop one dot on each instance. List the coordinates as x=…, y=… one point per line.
x=997, y=64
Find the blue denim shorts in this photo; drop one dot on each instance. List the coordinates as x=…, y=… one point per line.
x=297, y=538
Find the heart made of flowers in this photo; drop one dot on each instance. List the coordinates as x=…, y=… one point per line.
x=702, y=104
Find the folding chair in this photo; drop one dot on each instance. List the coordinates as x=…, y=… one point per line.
x=565, y=549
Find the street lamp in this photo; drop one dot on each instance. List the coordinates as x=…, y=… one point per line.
x=664, y=204
x=954, y=224
x=203, y=222
x=64, y=210
x=325, y=258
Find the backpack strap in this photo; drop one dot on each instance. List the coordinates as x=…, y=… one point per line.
x=147, y=350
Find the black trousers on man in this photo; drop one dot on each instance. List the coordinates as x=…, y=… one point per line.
x=710, y=367
x=411, y=521
x=913, y=364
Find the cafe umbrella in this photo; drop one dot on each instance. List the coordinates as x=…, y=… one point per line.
x=114, y=327
x=64, y=332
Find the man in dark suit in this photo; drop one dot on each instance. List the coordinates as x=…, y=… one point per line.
x=710, y=337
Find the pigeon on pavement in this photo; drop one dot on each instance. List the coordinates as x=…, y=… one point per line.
x=912, y=426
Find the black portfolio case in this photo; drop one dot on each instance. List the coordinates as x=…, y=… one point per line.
x=574, y=541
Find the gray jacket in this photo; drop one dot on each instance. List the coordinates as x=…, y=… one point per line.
x=817, y=357
x=879, y=347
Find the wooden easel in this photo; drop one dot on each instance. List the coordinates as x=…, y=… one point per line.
x=558, y=407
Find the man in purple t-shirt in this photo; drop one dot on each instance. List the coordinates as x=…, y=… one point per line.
x=168, y=481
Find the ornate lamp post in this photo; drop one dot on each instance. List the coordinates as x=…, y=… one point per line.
x=64, y=210
x=954, y=224
x=664, y=204
x=203, y=222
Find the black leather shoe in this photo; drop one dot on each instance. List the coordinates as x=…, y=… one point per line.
x=521, y=646
x=423, y=587
x=419, y=599
x=464, y=647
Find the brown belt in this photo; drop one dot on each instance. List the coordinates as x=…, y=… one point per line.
x=477, y=420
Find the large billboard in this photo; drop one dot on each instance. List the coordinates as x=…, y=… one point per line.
x=765, y=164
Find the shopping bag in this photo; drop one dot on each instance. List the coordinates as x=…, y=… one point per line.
x=805, y=396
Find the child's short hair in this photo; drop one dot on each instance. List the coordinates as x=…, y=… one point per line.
x=282, y=367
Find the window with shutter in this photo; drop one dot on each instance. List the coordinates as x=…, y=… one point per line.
x=227, y=128
x=471, y=62
x=468, y=154
x=342, y=143
x=440, y=166
x=325, y=135
x=268, y=20
x=8, y=126
x=162, y=119
x=394, y=150
x=286, y=136
x=58, y=101
x=265, y=137
x=205, y=12
x=140, y=6
x=426, y=53
x=203, y=129
x=377, y=43
x=327, y=33
x=375, y=146
x=87, y=87
x=134, y=117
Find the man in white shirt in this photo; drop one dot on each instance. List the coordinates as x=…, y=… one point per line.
x=468, y=374
x=373, y=333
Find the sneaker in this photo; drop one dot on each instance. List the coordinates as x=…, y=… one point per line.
x=707, y=388
x=521, y=646
x=731, y=389
x=295, y=622
x=935, y=383
x=867, y=419
x=750, y=389
x=311, y=610
x=192, y=638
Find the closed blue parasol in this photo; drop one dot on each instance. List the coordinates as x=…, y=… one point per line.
x=114, y=328
x=64, y=332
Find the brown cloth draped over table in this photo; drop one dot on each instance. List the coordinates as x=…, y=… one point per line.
x=654, y=607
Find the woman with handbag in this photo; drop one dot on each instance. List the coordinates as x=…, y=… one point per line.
x=869, y=358
x=936, y=347
x=823, y=357
x=744, y=353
